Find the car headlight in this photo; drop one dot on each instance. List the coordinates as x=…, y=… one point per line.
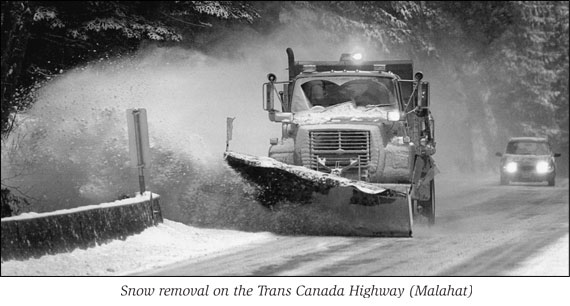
x=542, y=167
x=511, y=167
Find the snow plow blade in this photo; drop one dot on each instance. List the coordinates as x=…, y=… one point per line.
x=370, y=209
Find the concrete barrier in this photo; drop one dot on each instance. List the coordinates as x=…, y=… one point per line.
x=37, y=234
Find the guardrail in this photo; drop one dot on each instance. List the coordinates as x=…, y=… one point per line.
x=37, y=234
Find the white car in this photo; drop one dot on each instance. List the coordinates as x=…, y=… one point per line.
x=528, y=159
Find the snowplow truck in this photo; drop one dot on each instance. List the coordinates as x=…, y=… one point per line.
x=357, y=138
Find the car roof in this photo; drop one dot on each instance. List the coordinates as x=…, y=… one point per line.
x=528, y=139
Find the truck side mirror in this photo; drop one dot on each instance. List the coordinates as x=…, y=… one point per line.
x=269, y=91
x=424, y=95
x=499, y=154
x=419, y=88
x=422, y=91
x=557, y=154
x=285, y=98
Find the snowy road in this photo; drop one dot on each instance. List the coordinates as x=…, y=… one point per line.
x=482, y=229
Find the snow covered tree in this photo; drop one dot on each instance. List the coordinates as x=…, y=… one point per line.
x=41, y=39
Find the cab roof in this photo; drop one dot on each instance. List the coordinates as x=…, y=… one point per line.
x=388, y=74
x=528, y=139
x=402, y=68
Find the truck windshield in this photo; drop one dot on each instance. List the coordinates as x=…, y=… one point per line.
x=528, y=148
x=328, y=91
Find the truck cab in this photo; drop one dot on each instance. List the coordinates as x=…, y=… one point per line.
x=353, y=118
x=357, y=138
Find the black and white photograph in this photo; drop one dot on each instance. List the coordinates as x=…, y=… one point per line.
x=289, y=150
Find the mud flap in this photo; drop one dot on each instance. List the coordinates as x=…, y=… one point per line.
x=422, y=191
x=366, y=209
x=424, y=172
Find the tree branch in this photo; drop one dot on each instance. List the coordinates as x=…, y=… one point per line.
x=203, y=25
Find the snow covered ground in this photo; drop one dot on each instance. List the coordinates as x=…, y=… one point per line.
x=552, y=260
x=155, y=247
x=172, y=242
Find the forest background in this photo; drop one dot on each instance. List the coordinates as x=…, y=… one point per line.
x=498, y=69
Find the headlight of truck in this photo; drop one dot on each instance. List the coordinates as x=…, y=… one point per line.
x=394, y=116
x=542, y=167
x=511, y=167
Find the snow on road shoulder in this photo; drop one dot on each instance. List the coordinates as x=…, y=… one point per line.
x=550, y=261
x=155, y=247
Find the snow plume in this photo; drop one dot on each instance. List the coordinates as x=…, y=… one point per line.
x=71, y=148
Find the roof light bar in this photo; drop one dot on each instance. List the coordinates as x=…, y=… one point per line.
x=309, y=68
x=351, y=57
x=379, y=67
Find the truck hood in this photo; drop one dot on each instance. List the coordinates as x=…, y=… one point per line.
x=344, y=112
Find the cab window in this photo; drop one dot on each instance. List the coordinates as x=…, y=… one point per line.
x=363, y=91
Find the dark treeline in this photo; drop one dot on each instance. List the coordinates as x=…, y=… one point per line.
x=501, y=66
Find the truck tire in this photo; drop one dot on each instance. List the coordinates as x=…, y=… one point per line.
x=551, y=181
x=504, y=180
x=428, y=206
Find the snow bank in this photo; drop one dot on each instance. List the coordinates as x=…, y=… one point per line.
x=137, y=199
x=155, y=247
x=38, y=234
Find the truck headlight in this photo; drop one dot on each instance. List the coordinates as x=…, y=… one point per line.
x=394, y=116
x=542, y=167
x=511, y=167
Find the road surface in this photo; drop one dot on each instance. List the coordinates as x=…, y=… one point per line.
x=482, y=229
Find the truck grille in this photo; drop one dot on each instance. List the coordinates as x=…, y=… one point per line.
x=339, y=146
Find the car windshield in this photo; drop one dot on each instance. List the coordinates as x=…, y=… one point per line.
x=329, y=91
x=528, y=148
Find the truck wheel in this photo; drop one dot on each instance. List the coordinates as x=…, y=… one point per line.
x=551, y=181
x=428, y=206
x=504, y=180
